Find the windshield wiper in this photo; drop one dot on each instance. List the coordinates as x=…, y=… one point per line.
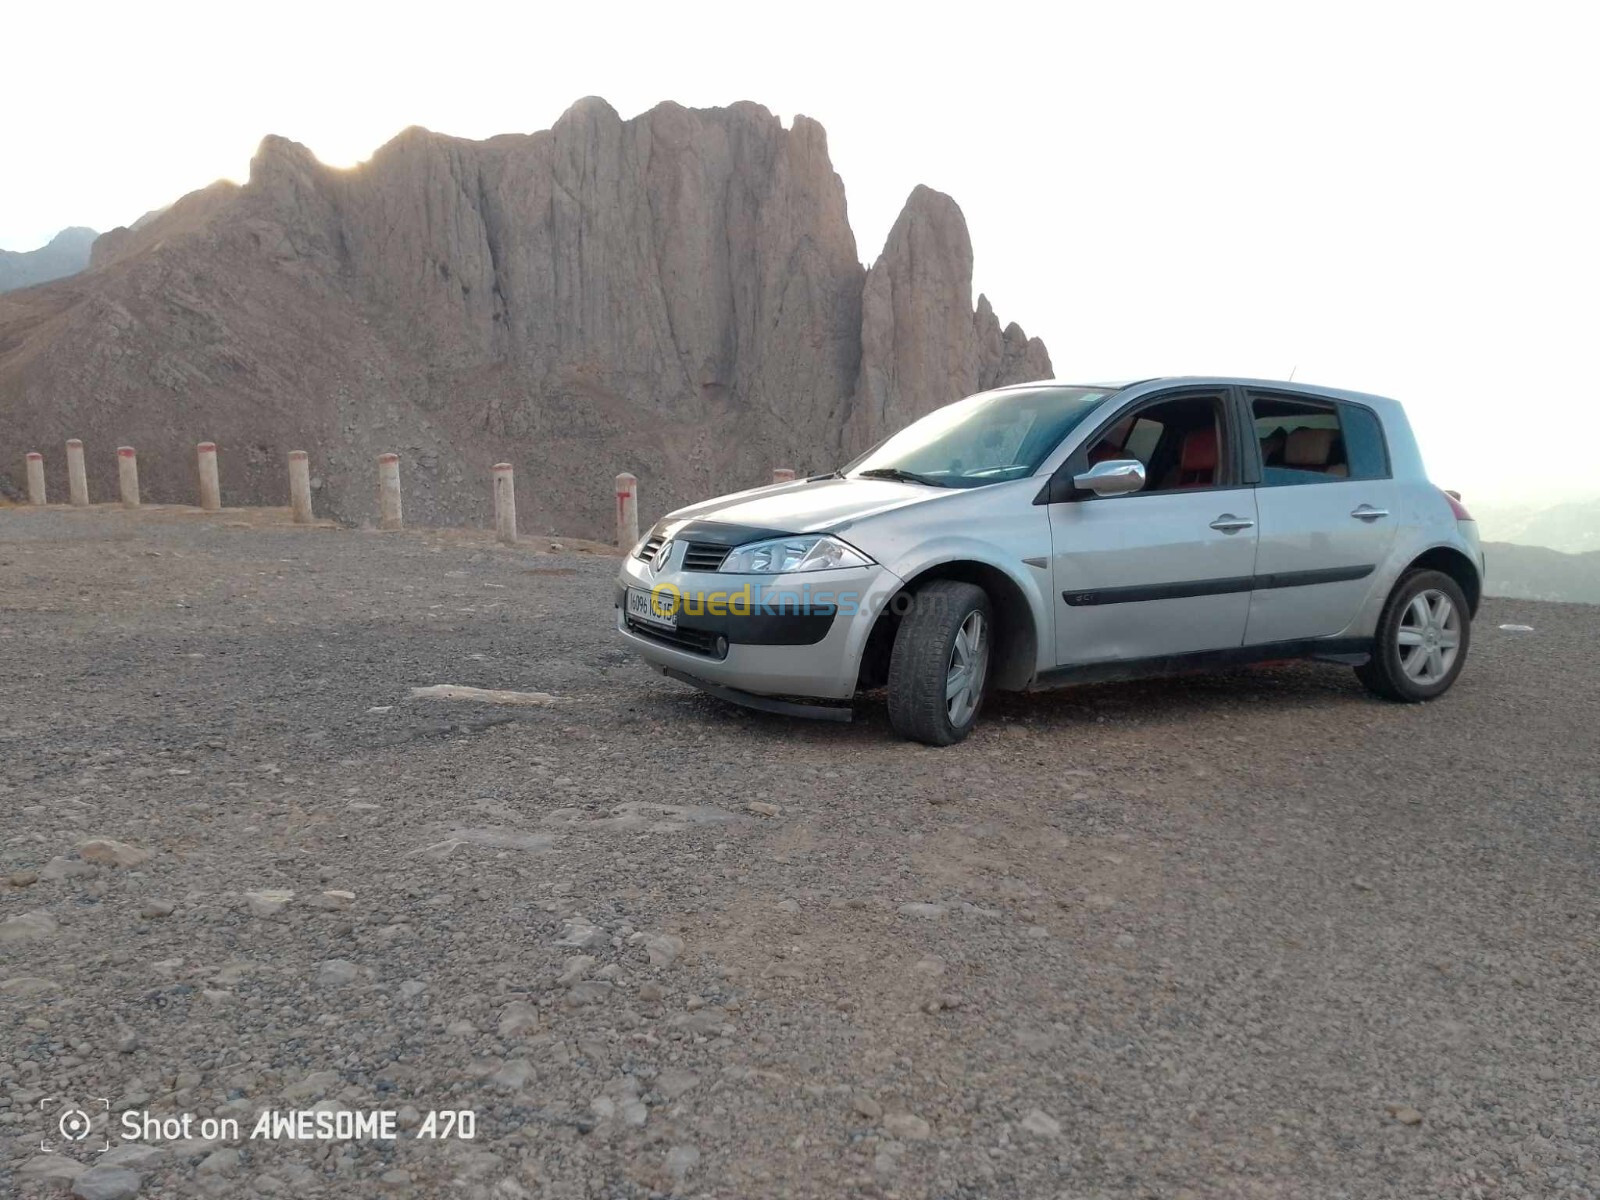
x=903, y=476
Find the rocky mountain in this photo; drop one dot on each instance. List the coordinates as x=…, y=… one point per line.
x=65, y=254
x=678, y=295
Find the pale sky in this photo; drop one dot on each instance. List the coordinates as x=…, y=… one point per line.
x=1398, y=198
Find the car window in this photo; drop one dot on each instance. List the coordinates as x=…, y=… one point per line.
x=1301, y=441
x=1180, y=442
x=1363, y=438
x=987, y=438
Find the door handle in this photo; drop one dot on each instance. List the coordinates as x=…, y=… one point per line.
x=1228, y=523
x=1366, y=512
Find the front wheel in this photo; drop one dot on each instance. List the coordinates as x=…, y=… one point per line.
x=939, y=669
x=1422, y=639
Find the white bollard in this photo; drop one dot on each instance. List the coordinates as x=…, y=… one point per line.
x=128, y=476
x=505, y=504
x=389, y=491
x=77, y=481
x=210, y=488
x=627, y=511
x=300, y=486
x=782, y=474
x=35, y=477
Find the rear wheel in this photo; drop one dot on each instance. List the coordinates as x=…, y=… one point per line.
x=939, y=669
x=1422, y=639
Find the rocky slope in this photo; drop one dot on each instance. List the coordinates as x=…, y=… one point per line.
x=678, y=295
x=65, y=254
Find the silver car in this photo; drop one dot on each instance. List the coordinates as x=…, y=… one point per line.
x=1047, y=534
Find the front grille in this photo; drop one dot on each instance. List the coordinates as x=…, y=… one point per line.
x=701, y=556
x=695, y=641
x=651, y=545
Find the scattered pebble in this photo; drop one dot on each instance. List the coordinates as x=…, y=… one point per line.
x=27, y=927
x=1039, y=1122
x=110, y=853
x=268, y=903
x=106, y=1183
x=336, y=972
x=907, y=1127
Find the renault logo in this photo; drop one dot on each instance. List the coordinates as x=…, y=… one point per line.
x=658, y=563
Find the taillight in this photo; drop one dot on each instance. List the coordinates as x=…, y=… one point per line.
x=1456, y=506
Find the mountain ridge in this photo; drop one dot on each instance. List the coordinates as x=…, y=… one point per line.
x=65, y=254
x=1521, y=572
x=678, y=295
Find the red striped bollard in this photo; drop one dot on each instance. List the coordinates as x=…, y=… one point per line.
x=627, y=512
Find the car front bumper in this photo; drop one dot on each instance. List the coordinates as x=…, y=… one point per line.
x=796, y=635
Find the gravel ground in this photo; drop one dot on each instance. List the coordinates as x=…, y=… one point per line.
x=1249, y=935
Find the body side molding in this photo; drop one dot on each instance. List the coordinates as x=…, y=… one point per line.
x=1215, y=587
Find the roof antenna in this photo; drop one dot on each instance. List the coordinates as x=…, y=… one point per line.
x=1292, y=370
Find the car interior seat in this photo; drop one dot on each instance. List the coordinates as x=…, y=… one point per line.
x=1313, y=450
x=1197, y=462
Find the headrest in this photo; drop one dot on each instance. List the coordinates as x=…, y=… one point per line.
x=1309, y=447
x=1199, y=450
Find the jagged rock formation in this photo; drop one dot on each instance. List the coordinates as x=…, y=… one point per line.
x=678, y=295
x=921, y=341
x=65, y=254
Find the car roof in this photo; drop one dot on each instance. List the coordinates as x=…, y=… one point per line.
x=1161, y=381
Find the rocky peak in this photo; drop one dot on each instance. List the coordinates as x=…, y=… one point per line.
x=922, y=344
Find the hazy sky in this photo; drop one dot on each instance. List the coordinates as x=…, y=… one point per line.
x=1397, y=198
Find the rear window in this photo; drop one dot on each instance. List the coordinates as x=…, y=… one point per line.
x=1305, y=440
x=1364, y=444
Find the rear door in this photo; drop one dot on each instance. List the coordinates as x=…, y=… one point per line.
x=1325, y=503
x=1165, y=570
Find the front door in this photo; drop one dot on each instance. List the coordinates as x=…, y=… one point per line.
x=1165, y=570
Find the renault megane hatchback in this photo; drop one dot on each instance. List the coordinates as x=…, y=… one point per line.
x=1047, y=534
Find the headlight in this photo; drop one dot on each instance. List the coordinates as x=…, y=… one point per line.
x=783, y=555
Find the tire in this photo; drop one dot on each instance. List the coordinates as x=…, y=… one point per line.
x=923, y=664
x=1410, y=618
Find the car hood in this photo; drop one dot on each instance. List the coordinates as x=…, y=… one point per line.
x=805, y=506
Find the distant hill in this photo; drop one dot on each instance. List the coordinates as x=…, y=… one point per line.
x=1535, y=573
x=1572, y=526
x=66, y=254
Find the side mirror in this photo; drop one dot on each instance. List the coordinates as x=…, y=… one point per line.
x=1115, y=477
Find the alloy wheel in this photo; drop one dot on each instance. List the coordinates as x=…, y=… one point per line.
x=1429, y=637
x=969, y=667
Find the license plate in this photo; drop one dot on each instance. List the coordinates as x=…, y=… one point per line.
x=640, y=609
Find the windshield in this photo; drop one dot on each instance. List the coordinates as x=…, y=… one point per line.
x=987, y=438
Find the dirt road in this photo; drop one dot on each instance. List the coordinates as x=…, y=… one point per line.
x=1253, y=935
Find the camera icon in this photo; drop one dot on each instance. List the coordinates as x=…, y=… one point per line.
x=72, y=1125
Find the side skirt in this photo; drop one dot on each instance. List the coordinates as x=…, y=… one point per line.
x=1348, y=651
